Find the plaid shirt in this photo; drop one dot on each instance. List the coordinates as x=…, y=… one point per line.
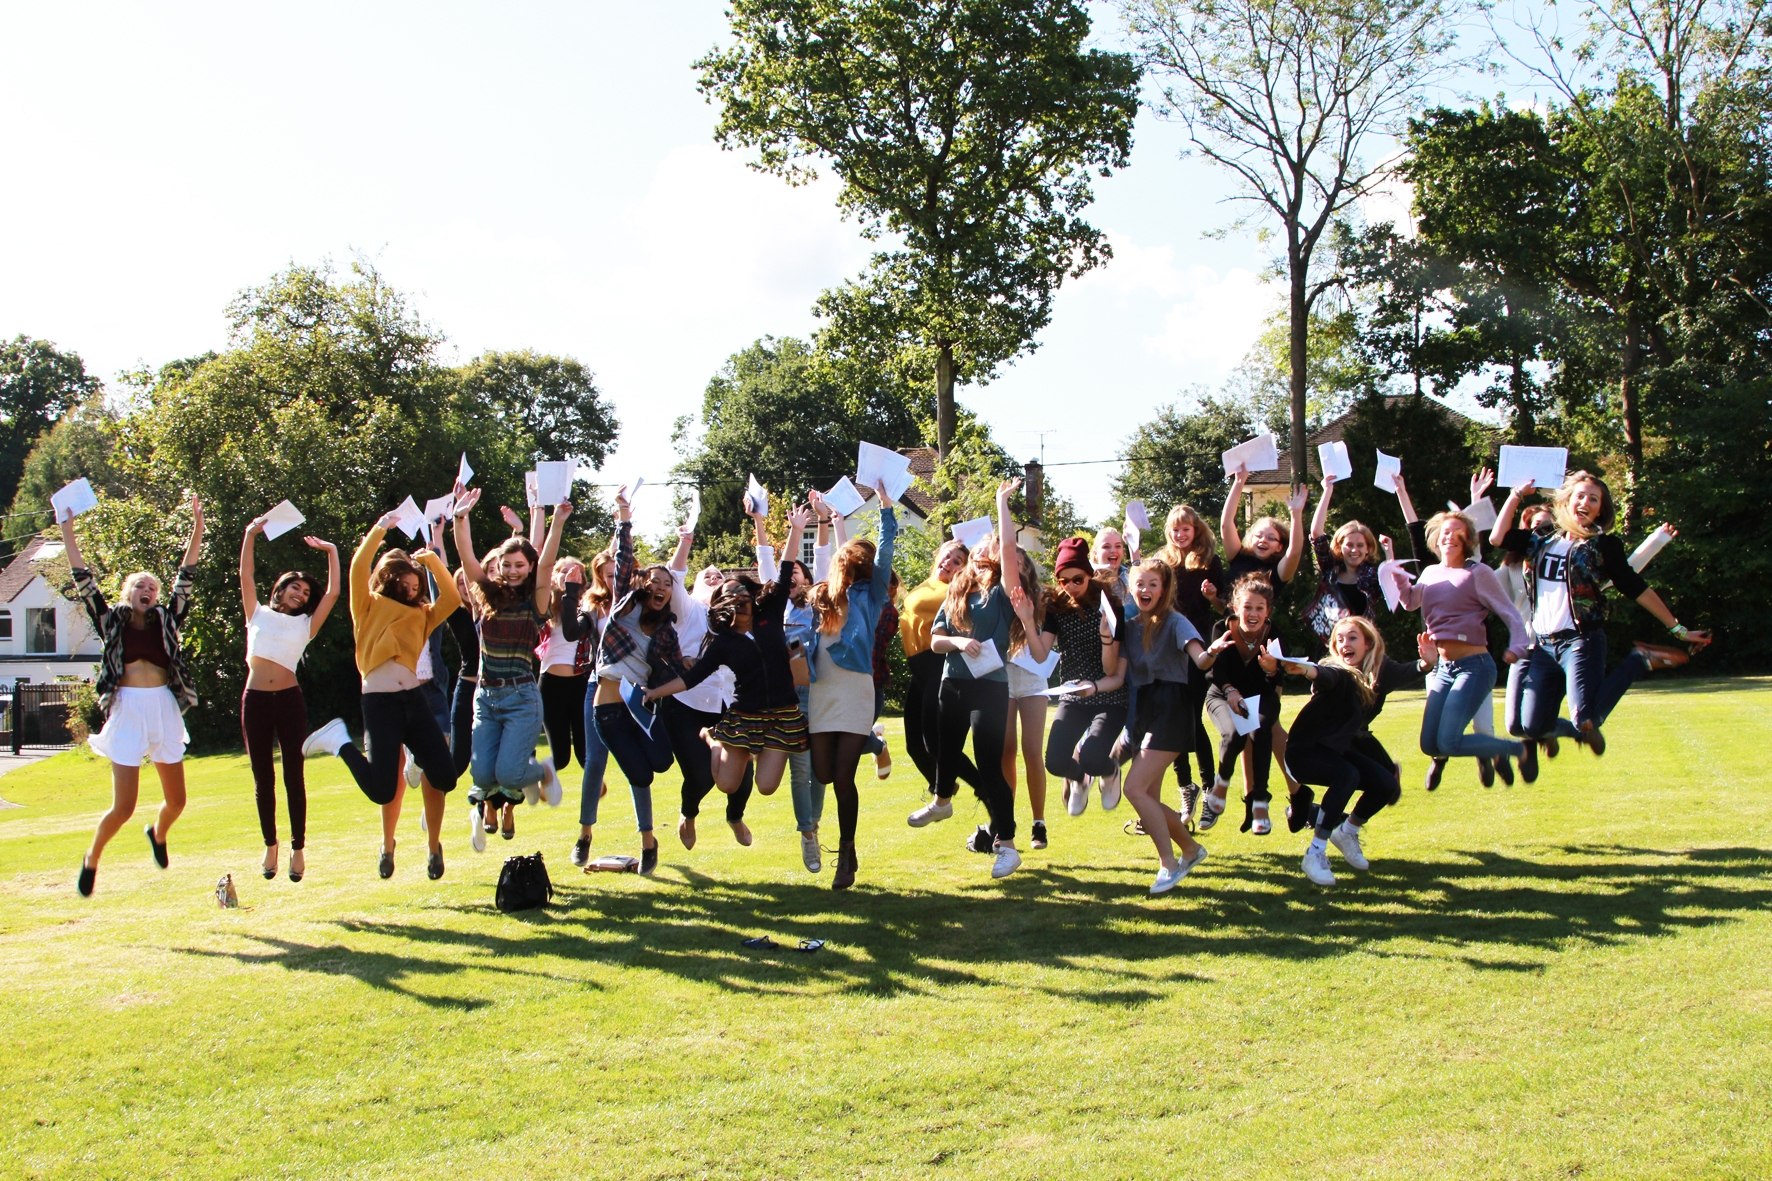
x=664, y=656
x=110, y=622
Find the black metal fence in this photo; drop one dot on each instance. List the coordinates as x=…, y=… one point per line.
x=37, y=716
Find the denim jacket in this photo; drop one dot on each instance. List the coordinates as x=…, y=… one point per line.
x=853, y=647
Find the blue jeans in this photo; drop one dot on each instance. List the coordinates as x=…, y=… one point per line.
x=1456, y=690
x=807, y=792
x=507, y=723
x=1577, y=666
x=596, y=765
x=639, y=756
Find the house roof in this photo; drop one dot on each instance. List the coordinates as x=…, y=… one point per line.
x=20, y=572
x=1335, y=431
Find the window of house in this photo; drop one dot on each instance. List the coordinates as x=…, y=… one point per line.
x=808, y=543
x=5, y=624
x=40, y=629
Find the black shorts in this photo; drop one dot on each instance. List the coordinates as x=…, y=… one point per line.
x=1164, y=720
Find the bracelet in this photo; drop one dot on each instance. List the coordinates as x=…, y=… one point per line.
x=1677, y=630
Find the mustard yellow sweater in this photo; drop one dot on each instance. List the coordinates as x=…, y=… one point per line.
x=386, y=629
x=917, y=616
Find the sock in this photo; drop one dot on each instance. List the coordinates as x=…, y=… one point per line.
x=1348, y=826
x=1319, y=845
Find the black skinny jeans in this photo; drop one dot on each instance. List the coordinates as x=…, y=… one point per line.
x=280, y=715
x=563, y=717
x=983, y=708
x=696, y=759
x=1197, y=687
x=1093, y=724
x=1341, y=775
x=390, y=721
x=920, y=727
x=1231, y=743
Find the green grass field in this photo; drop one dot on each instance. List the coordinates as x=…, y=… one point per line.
x=1568, y=979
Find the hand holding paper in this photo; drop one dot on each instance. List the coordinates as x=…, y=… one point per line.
x=1259, y=454
x=75, y=497
x=1335, y=461
x=409, y=519
x=1043, y=668
x=1138, y=515
x=464, y=474
x=756, y=498
x=1389, y=466
x=1273, y=649
x=987, y=661
x=844, y=498
x=877, y=466
x=1544, y=466
x=281, y=519
x=1248, y=719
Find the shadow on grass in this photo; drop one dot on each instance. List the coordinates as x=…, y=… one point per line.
x=1122, y=944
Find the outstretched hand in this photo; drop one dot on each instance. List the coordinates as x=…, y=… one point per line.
x=1021, y=604
x=257, y=524
x=1481, y=483
x=511, y=518
x=798, y=519
x=1008, y=488
x=388, y=521
x=465, y=501
x=1389, y=547
x=1427, y=649
x=1295, y=503
x=319, y=543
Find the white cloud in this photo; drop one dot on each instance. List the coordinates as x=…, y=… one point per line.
x=1214, y=325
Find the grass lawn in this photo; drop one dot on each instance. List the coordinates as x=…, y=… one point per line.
x=1567, y=979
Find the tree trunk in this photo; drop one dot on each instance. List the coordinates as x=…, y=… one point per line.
x=1633, y=420
x=1525, y=422
x=1300, y=317
x=946, y=418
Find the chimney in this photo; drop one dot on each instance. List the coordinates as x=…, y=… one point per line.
x=1033, y=491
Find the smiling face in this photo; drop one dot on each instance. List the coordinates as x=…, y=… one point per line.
x=141, y=592
x=949, y=563
x=1147, y=589
x=1354, y=549
x=797, y=580
x=1181, y=534
x=1586, y=500
x=1073, y=584
x=1110, y=548
x=658, y=587
x=1453, y=543
x=1350, y=644
x=1266, y=542
x=1251, y=612
x=293, y=597
x=514, y=568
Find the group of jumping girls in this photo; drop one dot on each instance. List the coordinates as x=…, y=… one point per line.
x=742, y=681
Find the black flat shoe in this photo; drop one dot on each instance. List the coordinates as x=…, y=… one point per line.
x=1301, y=810
x=294, y=873
x=1486, y=772
x=159, y=849
x=649, y=859
x=88, y=875
x=1504, y=768
x=1434, y=770
x=1248, y=815
x=1039, y=841
x=434, y=867
x=981, y=840
x=385, y=866
x=1592, y=739
x=1529, y=761
x=581, y=851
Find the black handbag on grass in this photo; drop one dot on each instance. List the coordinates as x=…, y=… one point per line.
x=523, y=883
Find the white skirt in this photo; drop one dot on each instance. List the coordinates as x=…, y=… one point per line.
x=840, y=701
x=145, y=725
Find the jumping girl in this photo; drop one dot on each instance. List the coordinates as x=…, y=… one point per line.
x=390, y=623
x=1027, y=711
x=1088, y=721
x=800, y=627
x=1347, y=564
x=841, y=720
x=511, y=592
x=565, y=673
x=914, y=624
x=144, y=688
x=1239, y=670
x=1331, y=745
x=1191, y=553
x=584, y=631
x=271, y=707
x=1569, y=562
x=977, y=612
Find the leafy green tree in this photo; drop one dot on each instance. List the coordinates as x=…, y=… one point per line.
x=1177, y=457
x=967, y=130
x=556, y=397
x=38, y=384
x=83, y=443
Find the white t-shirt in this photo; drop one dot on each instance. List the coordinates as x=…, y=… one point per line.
x=1551, y=572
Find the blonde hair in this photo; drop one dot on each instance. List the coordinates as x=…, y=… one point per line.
x=1366, y=672
x=1198, y=554
x=1437, y=524
x=965, y=582
x=947, y=547
x=142, y=576
x=854, y=563
x=1165, y=597
x=1347, y=531
x=1565, y=516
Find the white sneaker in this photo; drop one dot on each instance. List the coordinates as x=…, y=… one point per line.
x=550, y=783
x=413, y=774
x=936, y=809
x=327, y=739
x=1167, y=879
x=1188, y=863
x=1007, y=862
x=1110, y=789
x=1349, y=844
x=476, y=829
x=1079, y=797
x=809, y=852
x=1316, y=867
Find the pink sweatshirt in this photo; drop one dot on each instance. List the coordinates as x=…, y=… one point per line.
x=1454, y=603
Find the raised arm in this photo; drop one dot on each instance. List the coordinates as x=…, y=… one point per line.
x=1407, y=593
x=1403, y=501
x=363, y=561
x=685, y=543
x=1320, y=518
x=194, y=547
x=1006, y=534
x=1227, y=520
x=330, y=598
x=550, y=550
x=537, y=526
x=465, y=500
x=887, y=547
x=1294, y=554
x=248, y=582
x=1504, y=516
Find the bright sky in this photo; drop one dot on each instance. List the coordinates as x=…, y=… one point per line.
x=539, y=175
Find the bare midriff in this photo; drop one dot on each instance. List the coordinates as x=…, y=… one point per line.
x=608, y=692
x=143, y=674
x=1457, y=650
x=390, y=676
x=561, y=670
x=267, y=676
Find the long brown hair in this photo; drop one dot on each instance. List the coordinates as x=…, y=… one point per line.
x=393, y=566
x=1198, y=554
x=1032, y=587
x=1565, y=515
x=967, y=582
x=492, y=596
x=1165, y=596
x=1365, y=673
x=599, y=593
x=853, y=564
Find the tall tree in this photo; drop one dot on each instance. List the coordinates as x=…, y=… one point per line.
x=1288, y=95
x=38, y=384
x=966, y=129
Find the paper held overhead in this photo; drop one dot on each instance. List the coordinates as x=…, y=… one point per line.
x=1480, y=511
x=409, y=519
x=1544, y=466
x=1334, y=458
x=971, y=534
x=1259, y=454
x=531, y=493
x=877, y=466
x=441, y=507
x=1042, y=668
x=987, y=660
x=281, y=519
x=844, y=498
x=75, y=497
x=1248, y=719
x=634, y=488
x=1138, y=515
x=1389, y=468
x=464, y=473
x=756, y=497
x=553, y=482
x=694, y=516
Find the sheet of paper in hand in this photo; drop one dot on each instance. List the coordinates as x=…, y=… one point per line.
x=756, y=497
x=1248, y=719
x=1481, y=512
x=75, y=497
x=1544, y=466
x=1112, y=616
x=440, y=508
x=694, y=516
x=634, y=489
x=1138, y=514
x=876, y=465
x=1273, y=649
x=281, y=519
x=531, y=495
x=987, y=660
x=553, y=482
x=971, y=533
x=844, y=497
x=410, y=520
x=1390, y=591
x=1043, y=668
x=1259, y=454
x=1060, y=691
x=1335, y=460
x=1389, y=468
x=464, y=473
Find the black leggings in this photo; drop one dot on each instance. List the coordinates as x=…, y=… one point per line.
x=696, y=759
x=1197, y=687
x=461, y=724
x=1092, y=724
x=834, y=756
x=983, y=708
x=280, y=714
x=1231, y=743
x=563, y=717
x=1341, y=775
x=920, y=726
x=390, y=721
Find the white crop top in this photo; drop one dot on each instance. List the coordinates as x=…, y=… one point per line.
x=557, y=649
x=278, y=638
